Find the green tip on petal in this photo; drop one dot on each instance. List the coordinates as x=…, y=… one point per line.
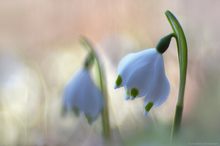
x=118, y=81
x=149, y=106
x=134, y=92
x=89, y=119
x=128, y=94
x=75, y=111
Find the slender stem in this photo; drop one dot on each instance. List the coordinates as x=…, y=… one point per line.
x=182, y=56
x=102, y=84
x=105, y=112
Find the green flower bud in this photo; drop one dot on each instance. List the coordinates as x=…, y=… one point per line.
x=164, y=43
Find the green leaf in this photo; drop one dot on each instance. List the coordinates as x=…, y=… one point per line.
x=182, y=55
x=103, y=87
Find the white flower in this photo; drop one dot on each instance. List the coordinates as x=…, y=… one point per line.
x=142, y=74
x=83, y=95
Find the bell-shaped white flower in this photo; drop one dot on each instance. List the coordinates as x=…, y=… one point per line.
x=142, y=74
x=83, y=95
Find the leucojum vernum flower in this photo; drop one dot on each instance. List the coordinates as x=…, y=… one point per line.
x=82, y=95
x=142, y=74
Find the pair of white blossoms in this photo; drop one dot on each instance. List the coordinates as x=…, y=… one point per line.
x=142, y=74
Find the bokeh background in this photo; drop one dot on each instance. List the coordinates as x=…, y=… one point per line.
x=40, y=51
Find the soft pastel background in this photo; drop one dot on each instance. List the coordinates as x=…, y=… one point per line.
x=40, y=51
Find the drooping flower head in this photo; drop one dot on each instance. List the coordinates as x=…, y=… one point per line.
x=142, y=74
x=81, y=94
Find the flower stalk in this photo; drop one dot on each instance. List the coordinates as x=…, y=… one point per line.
x=182, y=57
x=93, y=57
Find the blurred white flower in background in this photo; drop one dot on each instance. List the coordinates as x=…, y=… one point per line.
x=81, y=94
x=20, y=97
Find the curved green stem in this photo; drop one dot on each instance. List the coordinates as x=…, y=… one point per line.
x=182, y=55
x=102, y=84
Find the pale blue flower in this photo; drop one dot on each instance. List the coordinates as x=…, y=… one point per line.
x=81, y=94
x=142, y=74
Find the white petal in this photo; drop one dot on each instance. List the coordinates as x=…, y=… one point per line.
x=142, y=78
x=160, y=87
x=134, y=61
x=71, y=94
x=93, y=100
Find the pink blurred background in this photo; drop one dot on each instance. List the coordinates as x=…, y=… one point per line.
x=40, y=50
